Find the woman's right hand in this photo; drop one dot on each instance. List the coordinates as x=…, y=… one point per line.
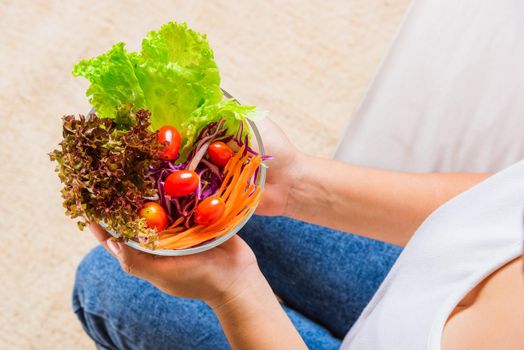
x=283, y=171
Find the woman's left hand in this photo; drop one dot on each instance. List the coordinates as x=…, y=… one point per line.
x=227, y=278
x=214, y=276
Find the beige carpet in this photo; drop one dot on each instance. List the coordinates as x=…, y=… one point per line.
x=308, y=62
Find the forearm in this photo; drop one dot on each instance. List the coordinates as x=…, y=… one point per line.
x=384, y=205
x=253, y=319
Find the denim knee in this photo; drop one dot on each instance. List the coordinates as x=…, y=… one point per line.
x=90, y=272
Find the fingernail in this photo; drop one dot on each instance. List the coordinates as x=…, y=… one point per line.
x=113, y=246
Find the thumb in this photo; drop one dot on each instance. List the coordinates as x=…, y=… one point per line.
x=132, y=261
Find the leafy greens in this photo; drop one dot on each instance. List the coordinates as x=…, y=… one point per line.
x=174, y=76
x=105, y=171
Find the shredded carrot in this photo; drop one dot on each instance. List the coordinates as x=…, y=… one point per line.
x=243, y=181
x=237, y=209
x=235, y=170
x=217, y=228
x=227, y=169
x=176, y=223
x=201, y=234
x=192, y=240
x=240, y=196
x=171, y=231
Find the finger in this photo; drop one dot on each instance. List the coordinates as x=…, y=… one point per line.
x=101, y=236
x=133, y=261
x=98, y=231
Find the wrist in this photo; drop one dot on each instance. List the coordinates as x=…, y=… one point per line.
x=251, y=282
x=297, y=174
x=247, y=304
x=299, y=187
x=254, y=319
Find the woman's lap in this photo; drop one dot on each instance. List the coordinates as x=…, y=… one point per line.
x=325, y=277
x=120, y=311
x=328, y=276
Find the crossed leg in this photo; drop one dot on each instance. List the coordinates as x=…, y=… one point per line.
x=325, y=278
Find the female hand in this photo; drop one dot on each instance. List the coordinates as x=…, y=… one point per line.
x=214, y=276
x=227, y=278
x=220, y=273
x=283, y=169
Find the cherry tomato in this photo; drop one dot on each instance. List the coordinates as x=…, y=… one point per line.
x=169, y=136
x=155, y=215
x=219, y=153
x=209, y=210
x=181, y=183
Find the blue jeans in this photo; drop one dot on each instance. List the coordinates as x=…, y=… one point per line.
x=324, y=277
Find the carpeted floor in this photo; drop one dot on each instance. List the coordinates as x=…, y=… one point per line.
x=308, y=62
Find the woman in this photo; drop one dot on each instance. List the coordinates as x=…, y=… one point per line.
x=443, y=287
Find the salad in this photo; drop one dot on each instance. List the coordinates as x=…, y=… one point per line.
x=166, y=160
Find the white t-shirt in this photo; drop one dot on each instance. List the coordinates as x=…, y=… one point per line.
x=458, y=246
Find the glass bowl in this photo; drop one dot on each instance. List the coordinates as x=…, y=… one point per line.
x=261, y=179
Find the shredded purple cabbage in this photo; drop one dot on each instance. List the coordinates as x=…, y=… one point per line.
x=211, y=176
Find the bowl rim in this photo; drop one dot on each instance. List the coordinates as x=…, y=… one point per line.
x=216, y=241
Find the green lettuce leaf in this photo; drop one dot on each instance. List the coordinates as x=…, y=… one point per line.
x=113, y=81
x=173, y=75
x=231, y=111
x=177, y=73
